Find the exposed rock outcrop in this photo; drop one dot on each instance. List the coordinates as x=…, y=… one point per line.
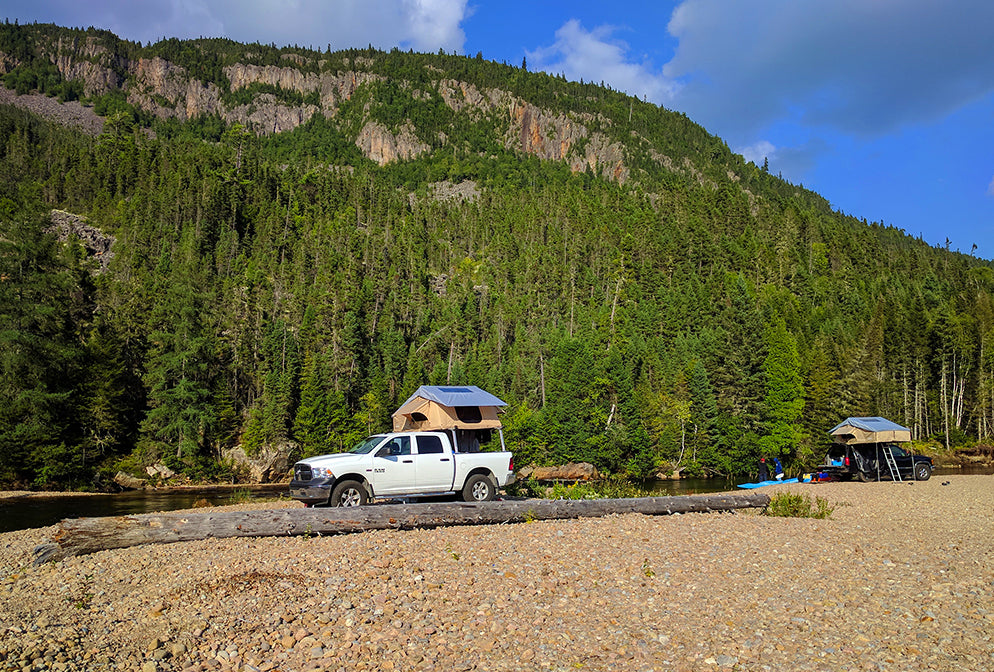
x=572, y=471
x=466, y=191
x=159, y=471
x=270, y=465
x=97, y=244
x=377, y=143
x=167, y=90
x=128, y=482
x=68, y=114
x=266, y=115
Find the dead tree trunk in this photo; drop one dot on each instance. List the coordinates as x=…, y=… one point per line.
x=89, y=535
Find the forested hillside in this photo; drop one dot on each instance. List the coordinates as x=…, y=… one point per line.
x=299, y=239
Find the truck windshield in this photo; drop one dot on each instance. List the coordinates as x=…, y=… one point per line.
x=367, y=445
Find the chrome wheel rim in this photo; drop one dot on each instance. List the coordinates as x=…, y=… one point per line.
x=351, y=497
x=481, y=491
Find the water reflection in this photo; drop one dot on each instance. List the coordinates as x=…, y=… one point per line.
x=27, y=512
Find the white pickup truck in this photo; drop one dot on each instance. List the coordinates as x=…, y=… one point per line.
x=401, y=464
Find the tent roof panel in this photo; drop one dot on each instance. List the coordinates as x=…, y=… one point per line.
x=870, y=424
x=461, y=395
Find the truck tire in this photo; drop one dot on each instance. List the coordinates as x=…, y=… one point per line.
x=348, y=493
x=478, y=488
x=922, y=471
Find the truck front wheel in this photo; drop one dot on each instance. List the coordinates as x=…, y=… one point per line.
x=348, y=493
x=922, y=471
x=478, y=488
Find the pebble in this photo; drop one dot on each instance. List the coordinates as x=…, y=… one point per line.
x=906, y=568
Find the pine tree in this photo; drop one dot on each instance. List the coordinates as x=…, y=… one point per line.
x=784, y=399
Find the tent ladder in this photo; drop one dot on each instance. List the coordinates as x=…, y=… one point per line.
x=895, y=473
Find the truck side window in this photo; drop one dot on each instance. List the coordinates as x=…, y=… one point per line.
x=400, y=445
x=429, y=444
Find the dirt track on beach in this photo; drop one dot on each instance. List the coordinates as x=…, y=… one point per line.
x=900, y=578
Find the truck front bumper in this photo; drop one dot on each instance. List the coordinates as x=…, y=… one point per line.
x=314, y=491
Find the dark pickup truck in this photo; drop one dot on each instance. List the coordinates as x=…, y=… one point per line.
x=867, y=462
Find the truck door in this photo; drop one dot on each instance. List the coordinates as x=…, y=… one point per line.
x=435, y=465
x=393, y=467
x=903, y=460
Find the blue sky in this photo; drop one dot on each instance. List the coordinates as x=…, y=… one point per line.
x=885, y=107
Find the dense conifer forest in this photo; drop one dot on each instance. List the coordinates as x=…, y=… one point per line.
x=283, y=289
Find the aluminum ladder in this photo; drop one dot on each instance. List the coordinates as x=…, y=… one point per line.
x=895, y=473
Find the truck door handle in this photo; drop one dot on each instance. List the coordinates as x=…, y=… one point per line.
x=444, y=459
x=408, y=461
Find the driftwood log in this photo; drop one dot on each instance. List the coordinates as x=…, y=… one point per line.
x=80, y=536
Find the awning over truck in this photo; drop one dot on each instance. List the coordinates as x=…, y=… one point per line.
x=869, y=430
x=442, y=407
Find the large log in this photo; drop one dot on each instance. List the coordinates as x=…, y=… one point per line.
x=88, y=535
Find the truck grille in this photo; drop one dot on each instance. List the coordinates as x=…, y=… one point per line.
x=302, y=472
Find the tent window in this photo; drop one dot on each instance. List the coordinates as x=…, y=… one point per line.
x=469, y=414
x=418, y=417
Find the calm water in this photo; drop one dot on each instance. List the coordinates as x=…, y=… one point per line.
x=28, y=512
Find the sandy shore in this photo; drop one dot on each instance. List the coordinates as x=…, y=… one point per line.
x=900, y=578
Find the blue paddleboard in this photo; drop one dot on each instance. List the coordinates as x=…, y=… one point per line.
x=762, y=483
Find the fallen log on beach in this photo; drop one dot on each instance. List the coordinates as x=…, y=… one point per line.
x=80, y=536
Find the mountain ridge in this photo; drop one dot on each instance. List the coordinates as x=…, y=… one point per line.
x=159, y=87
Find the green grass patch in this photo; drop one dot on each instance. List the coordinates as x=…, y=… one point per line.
x=241, y=496
x=793, y=505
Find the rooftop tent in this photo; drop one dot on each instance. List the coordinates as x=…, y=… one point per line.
x=869, y=430
x=437, y=407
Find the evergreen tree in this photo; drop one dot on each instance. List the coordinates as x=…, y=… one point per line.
x=784, y=399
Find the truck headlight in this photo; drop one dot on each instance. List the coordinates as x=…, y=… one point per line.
x=321, y=472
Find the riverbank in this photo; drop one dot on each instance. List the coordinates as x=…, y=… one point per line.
x=901, y=577
x=224, y=487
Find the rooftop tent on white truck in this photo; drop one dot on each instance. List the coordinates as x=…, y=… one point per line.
x=436, y=407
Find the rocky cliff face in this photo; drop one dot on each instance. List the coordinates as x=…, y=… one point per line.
x=167, y=90
x=379, y=144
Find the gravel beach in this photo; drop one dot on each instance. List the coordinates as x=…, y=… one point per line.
x=900, y=578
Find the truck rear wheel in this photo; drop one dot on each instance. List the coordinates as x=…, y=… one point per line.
x=478, y=488
x=348, y=493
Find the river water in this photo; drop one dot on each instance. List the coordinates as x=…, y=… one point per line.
x=21, y=513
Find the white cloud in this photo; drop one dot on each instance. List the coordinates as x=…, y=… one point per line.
x=595, y=56
x=758, y=152
x=857, y=66
x=423, y=25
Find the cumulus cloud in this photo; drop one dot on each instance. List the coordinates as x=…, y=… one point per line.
x=423, y=25
x=745, y=68
x=596, y=56
x=860, y=67
x=758, y=152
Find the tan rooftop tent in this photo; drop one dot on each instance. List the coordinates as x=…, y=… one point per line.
x=869, y=430
x=435, y=408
